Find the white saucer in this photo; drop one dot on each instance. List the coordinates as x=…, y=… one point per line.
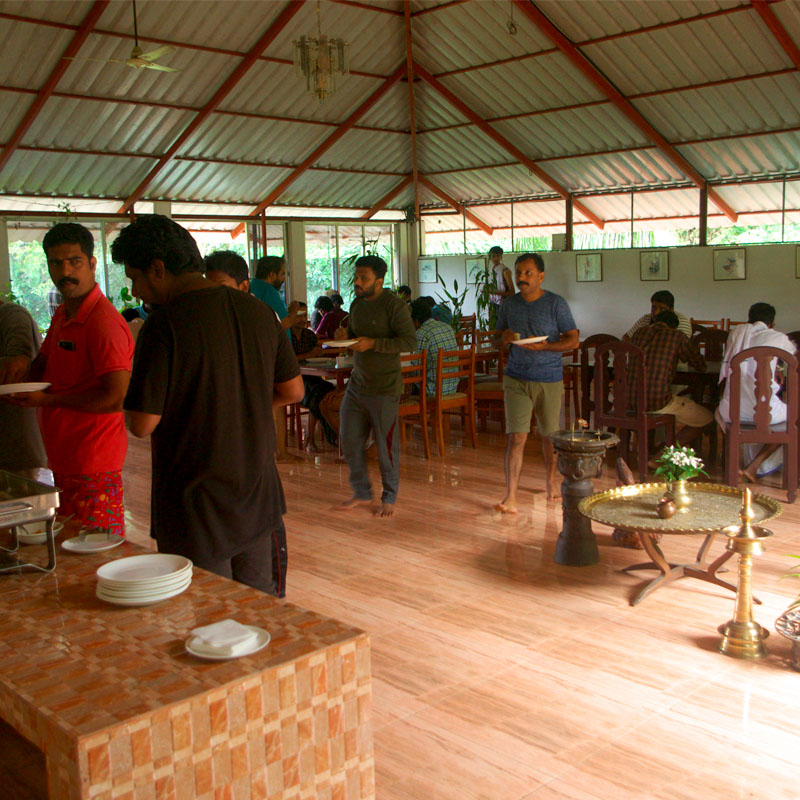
x=530, y=340
x=92, y=543
x=35, y=533
x=341, y=343
x=14, y=388
x=260, y=644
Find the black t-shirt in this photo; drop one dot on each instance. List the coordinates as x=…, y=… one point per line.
x=206, y=362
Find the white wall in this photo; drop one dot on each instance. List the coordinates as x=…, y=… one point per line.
x=612, y=305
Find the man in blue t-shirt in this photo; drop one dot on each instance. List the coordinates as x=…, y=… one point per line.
x=270, y=276
x=532, y=381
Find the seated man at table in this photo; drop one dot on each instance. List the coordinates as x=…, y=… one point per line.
x=432, y=336
x=664, y=345
x=210, y=365
x=660, y=301
x=758, y=332
x=332, y=318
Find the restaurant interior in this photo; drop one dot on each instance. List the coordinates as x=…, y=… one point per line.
x=451, y=651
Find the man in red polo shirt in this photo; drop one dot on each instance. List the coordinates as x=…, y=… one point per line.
x=86, y=357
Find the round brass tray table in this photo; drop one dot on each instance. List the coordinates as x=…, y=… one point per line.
x=714, y=506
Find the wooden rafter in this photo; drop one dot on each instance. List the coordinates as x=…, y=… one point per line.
x=388, y=197
x=278, y=24
x=778, y=31
x=453, y=203
x=84, y=29
x=462, y=107
x=326, y=145
x=411, y=110
x=619, y=100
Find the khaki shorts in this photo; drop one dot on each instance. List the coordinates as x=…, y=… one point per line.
x=523, y=398
x=687, y=412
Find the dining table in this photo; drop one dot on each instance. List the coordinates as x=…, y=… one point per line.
x=119, y=708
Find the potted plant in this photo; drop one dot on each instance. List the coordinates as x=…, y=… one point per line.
x=678, y=465
x=456, y=299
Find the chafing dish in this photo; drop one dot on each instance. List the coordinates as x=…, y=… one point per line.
x=22, y=501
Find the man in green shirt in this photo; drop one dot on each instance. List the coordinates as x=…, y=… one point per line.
x=381, y=323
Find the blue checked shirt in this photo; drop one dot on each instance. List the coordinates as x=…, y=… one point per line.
x=433, y=336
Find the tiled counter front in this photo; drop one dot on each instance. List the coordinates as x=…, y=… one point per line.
x=122, y=711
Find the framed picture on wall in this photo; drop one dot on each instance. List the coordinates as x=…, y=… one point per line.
x=426, y=268
x=473, y=267
x=729, y=264
x=654, y=265
x=589, y=267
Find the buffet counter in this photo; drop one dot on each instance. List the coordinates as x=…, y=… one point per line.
x=121, y=710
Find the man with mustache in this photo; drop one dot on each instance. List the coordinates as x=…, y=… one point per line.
x=532, y=380
x=86, y=357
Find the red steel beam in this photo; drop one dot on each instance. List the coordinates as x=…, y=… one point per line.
x=388, y=197
x=431, y=9
x=366, y=7
x=778, y=31
x=453, y=203
x=84, y=29
x=622, y=103
x=326, y=145
x=462, y=107
x=278, y=24
x=411, y=110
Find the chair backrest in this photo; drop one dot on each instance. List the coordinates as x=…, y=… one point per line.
x=465, y=335
x=484, y=340
x=619, y=374
x=763, y=391
x=711, y=343
x=795, y=337
x=697, y=324
x=455, y=364
x=729, y=323
x=586, y=350
x=413, y=369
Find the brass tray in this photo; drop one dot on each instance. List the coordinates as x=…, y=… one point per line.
x=714, y=506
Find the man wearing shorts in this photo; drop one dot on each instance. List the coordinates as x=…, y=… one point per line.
x=664, y=345
x=533, y=380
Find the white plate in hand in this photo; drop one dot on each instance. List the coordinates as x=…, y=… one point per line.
x=261, y=642
x=341, y=343
x=93, y=543
x=530, y=340
x=21, y=388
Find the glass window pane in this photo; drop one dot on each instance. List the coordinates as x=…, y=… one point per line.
x=320, y=260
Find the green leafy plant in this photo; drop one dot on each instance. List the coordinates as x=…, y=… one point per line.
x=484, y=289
x=679, y=464
x=8, y=295
x=126, y=298
x=456, y=301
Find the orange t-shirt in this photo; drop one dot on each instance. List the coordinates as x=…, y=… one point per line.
x=79, y=351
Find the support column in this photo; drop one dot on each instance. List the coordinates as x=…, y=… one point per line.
x=703, y=222
x=407, y=253
x=568, y=242
x=296, y=261
x=5, y=259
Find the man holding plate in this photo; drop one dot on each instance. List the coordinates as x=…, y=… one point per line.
x=541, y=328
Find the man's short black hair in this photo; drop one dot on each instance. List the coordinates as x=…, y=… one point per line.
x=269, y=265
x=670, y=318
x=375, y=263
x=228, y=262
x=69, y=233
x=761, y=312
x=665, y=297
x=421, y=310
x=153, y=236
x=535, y=257
x=404, y=290
x=496, y=250
x=337, y=299
x=324, y=304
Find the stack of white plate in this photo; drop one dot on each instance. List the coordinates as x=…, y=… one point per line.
x=143, y=580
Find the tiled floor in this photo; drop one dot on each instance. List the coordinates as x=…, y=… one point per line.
x=502, y=676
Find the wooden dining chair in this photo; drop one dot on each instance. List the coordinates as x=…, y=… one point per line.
x=413, y=404
x=485, y=356
x=587, y=350
x=711, y=343
x=572, y=374
x=729, y=323
x=699, y=324
x=465, y=335
x=489, y=394
x=458, y=364
x=761, y=430
x=627, y=399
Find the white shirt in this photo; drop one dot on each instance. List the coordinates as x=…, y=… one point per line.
x=742, y=337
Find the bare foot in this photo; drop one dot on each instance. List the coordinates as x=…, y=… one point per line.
x=747, y=476
x=353, y=502
x=506, y=507
x=552, y=494
x=386, y=510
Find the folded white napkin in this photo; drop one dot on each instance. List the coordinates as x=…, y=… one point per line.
x=227, y=637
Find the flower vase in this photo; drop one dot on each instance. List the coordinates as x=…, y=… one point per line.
x=679, y=493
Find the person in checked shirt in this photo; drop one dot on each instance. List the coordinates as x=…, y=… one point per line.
x=664, y=345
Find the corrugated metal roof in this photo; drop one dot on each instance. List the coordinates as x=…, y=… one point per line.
x=455, y=37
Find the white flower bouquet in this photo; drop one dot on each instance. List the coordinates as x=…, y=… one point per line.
x=679, y=464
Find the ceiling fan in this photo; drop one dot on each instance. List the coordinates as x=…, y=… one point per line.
x=139, y=59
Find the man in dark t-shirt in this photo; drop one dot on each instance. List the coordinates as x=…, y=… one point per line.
x=210, y=363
